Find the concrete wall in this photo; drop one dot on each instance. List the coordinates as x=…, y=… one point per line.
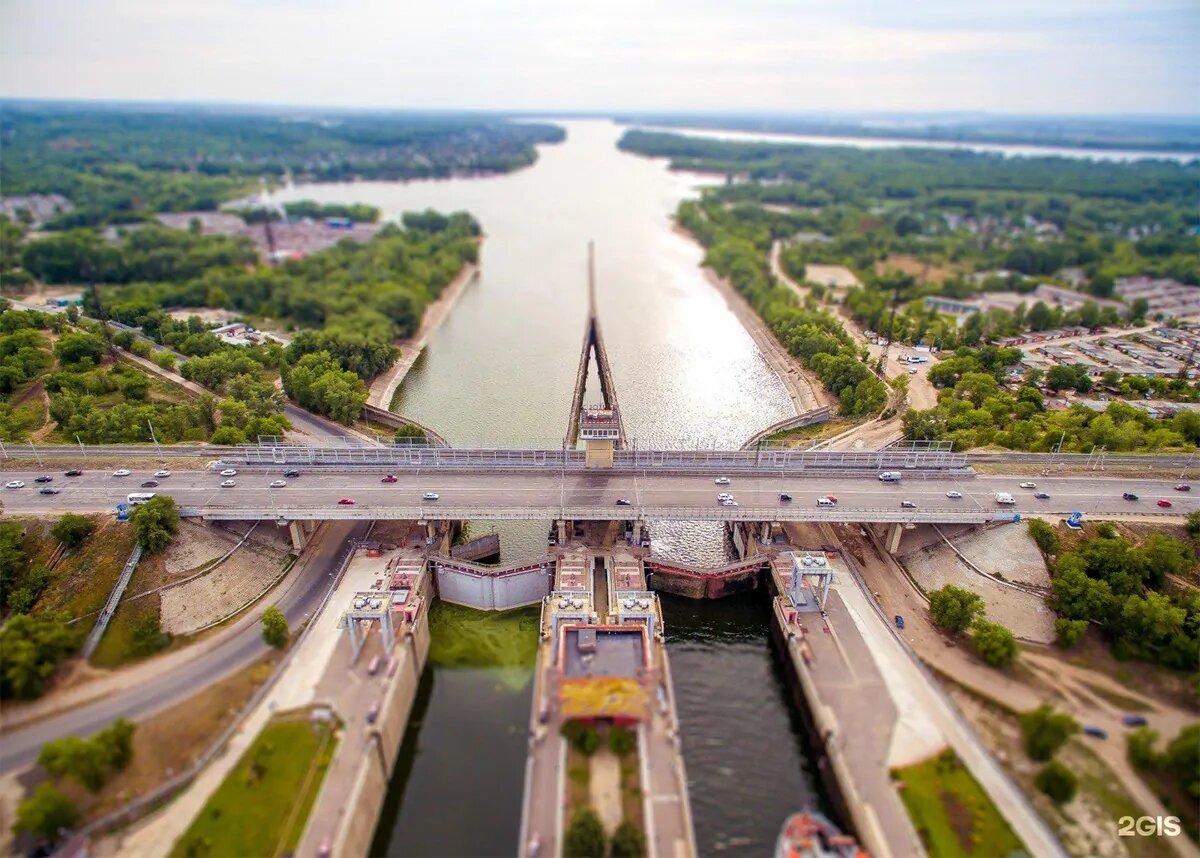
x=703, y=586
x=476, y=549
x=497, y=592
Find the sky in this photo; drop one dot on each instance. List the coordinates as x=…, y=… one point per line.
x=781, y=56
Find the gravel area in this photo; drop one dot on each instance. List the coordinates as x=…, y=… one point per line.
x=197, y=544
x=1007, y=550
x=937, y=565
x=207, y=599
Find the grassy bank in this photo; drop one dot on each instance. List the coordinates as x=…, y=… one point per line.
x=951, y=812
x=262, y=805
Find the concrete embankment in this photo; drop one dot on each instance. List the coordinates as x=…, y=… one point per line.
x=383, y=389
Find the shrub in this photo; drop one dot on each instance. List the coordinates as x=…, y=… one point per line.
x=583, y=737
x=155, y=522
x=1193, y=523
x=628, y=841
x=275, y=627
x=953, y=608
x=994, y=643
x=584, y=837
x=32, y=646
x=1044, y=535
x=1043, y=731
x=71, y=530
x=148, y=636
x=1056, y=781
x=620, y=741
x=1069, y=632
x=45, y=813
x=1139, y=747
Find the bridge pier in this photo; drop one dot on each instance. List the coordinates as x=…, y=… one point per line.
x=893, y=537
x=562, y=531
x=637, y=532
x=299, y=531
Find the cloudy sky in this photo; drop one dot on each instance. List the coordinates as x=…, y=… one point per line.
x=1037, y=56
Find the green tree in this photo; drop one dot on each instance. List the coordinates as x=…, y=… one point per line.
x=1193, y=524
x=1044, y=731
x=72, y=530
x=79, y=348
x=46, y=813
x=628, y=841
x=155, y=522
x=275, y=627
x=85, y=760
x=1140, y=748
x=994, y=643
x=953, y=608
x=1069, y=632
x=584, y=837
x=620, y=741
x=1056, y=781
x=32, y=647
x=1182, y=760
x=13, y=561
x=116, y=742
x=1044, y=535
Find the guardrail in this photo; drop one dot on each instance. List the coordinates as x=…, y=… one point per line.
x=110, y=607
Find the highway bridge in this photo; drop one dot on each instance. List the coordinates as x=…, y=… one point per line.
x=591, y=495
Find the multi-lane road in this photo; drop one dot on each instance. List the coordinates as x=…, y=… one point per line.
x=316, y=495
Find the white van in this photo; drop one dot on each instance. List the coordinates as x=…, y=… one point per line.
x=136, y=498
x=825, y=502
x=889, y=477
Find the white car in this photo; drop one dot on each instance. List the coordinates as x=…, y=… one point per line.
x=229, y=472
x=954, y=495
x=122, y=472
x=161, y=474
x=1029, y=485
x=724, y=496
x=722, y=481
x=729, y=502
x=429, y=496
x=14, y=484
x=278, y=484
x=228, y=484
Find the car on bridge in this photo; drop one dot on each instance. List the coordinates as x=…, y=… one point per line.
x=277, y=484
x=122, y=472
x=430, y=496
x=48, y=490
x=45, y=478
x=346, y=501
x=622, y=501
x=954, y=495
x=724, y=496
x=229, y=472
x=228, y=484
x=162, y=474
x=722, y=481
x=1029, y=485
x=1164, y=502
x=390, y=478
x=14, y=484
x=1183, y=487
x=908, y=505
x=150, y=484
x=291, y=475
x=74, y=472
x=1041, y=496
x=784, y=496
x=1129, y=496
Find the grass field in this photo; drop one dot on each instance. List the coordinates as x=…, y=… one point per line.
x=952, y=813
x=83, y=580
x=262, y=805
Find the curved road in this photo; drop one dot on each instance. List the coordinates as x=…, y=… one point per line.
x=298, y=596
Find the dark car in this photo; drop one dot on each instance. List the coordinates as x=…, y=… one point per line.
x=1183, y=487
x=907, y=505
x=1094, y=732
x=622, y=501
x=1130, y=496
x=150, y=484
x=45, y=478
x=899, y=621
x=784, y=496
x=291, y=475
x=1042, y=496
x=390, y=478
x=74, y=472
x=1133, y=720
x=48, y=490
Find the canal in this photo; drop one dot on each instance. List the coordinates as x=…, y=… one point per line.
x=500, y=371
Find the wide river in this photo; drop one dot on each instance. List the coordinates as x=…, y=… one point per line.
x=500, y=371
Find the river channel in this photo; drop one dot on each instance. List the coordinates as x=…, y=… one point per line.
x=500, y=371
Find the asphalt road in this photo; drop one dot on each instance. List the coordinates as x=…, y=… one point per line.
x=315, y=494
x=298, y=597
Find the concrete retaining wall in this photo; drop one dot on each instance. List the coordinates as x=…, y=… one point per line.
x=493, y=590
x=477, y=549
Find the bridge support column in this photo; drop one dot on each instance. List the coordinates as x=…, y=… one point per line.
x=562, y=531
x=296, y=529
x=637, y=533
x=893, y=537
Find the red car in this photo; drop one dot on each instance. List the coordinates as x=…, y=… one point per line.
x=346, y=501
x=1183, y=487
x=390, y=478
x=1164, y=503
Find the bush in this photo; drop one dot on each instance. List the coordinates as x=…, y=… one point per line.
x=1044, y=535
x=22, y=599
x=1044, y=731
x=45, y=813
x=165, y=360
x=275, y=627
x=71, y=530
x=1193, y=523
x=1056, y=781
x=155, y=522
x=1139, y=747
x=620, y=741
x=584, y=837
x=994, y=643
x=953, y=608
x=148, y=636
x=32, y=646
x=1069, y=632
x=228, y=435
x=628, y=841
x=582, y=736
x=85, y=760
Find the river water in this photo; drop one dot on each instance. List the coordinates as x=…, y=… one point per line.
x=500, y=371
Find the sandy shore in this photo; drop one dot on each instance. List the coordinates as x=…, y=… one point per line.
x=384, y=388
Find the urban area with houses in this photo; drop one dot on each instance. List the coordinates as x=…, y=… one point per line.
x=298, y=558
